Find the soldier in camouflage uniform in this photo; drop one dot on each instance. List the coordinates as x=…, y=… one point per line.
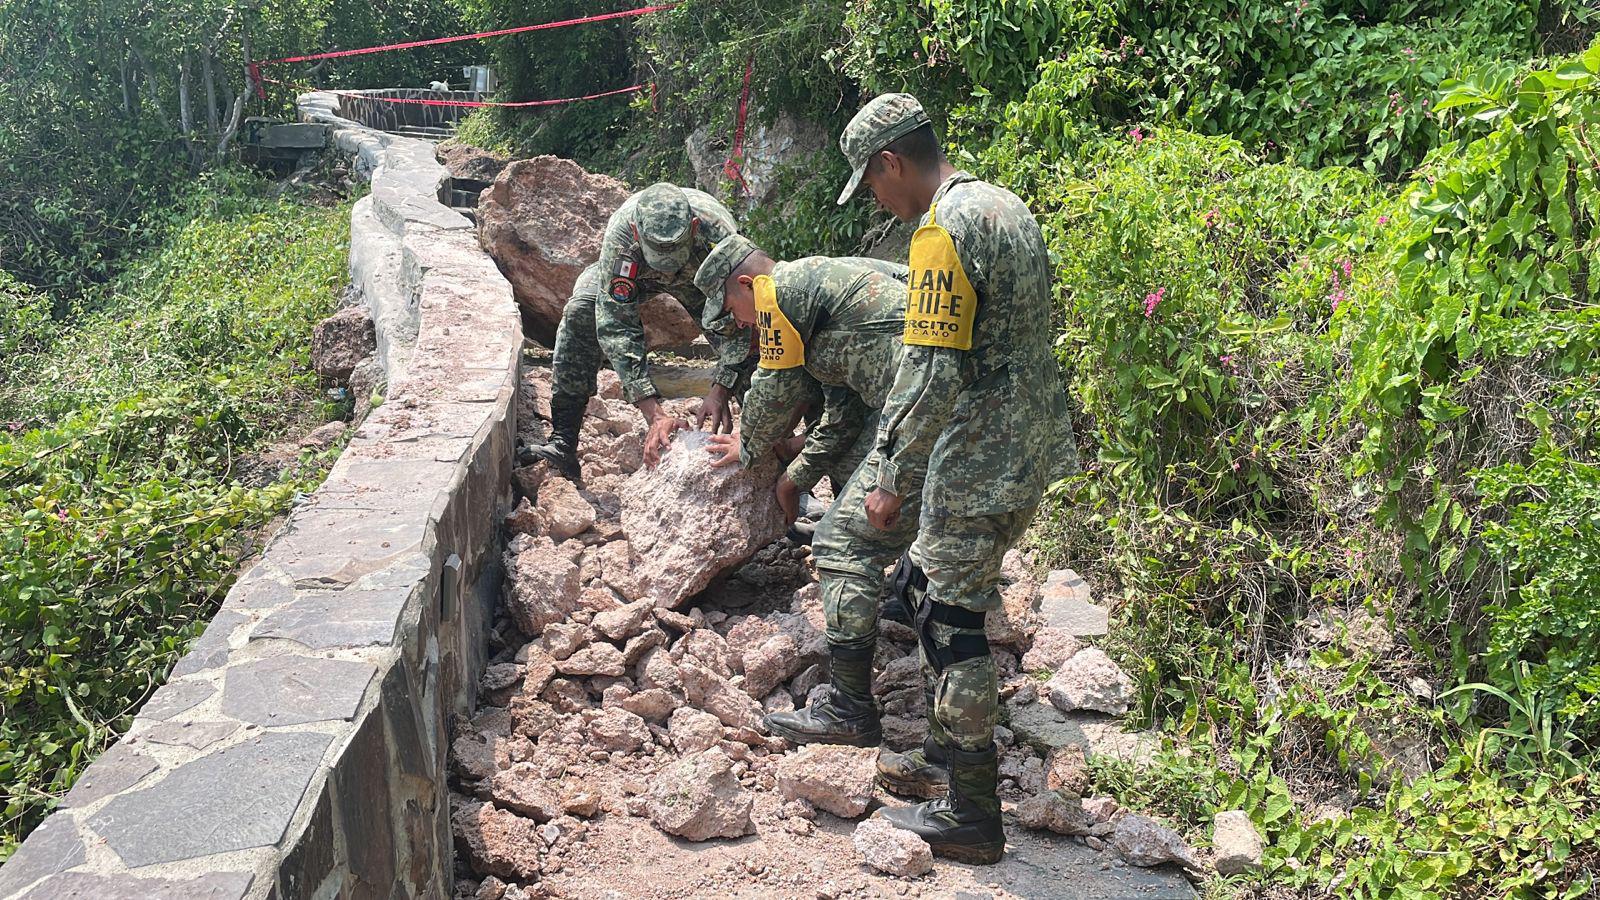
x=830, y=327
x=977, y=419
x=652, y=244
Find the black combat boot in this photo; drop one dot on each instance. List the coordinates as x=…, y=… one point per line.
x=923, y=772
x=965, y=824
x=847, y=716
x=561, y=451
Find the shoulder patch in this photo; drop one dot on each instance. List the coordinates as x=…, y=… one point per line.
x=942, y=307
x=623, y=290
x=781, y=346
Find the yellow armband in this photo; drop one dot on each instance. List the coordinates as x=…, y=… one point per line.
x=942, y=306
x=781, y=346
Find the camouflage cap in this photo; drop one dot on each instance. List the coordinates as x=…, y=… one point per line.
x=884, y=120
x=721, y=262
x=662, y=218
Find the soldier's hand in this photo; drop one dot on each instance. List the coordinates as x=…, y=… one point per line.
x=883, y=509
x=788, y=448
x=788, y=498
x=724, y=449
x=715, y=415
x=659, y=436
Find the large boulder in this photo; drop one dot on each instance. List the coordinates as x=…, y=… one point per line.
x=699, y=798
x=689, y=522
x=341, y=341
x=541, y=221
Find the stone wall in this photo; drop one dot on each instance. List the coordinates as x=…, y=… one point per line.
x=298, y=750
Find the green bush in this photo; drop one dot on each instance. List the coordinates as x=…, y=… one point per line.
x=127, y=499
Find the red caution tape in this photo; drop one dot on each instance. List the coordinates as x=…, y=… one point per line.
x=731, y=166
x=474, y=104
x=334, y=54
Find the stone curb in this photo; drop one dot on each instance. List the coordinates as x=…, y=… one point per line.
x=299, y=748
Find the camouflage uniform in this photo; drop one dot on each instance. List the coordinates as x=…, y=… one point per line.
x=985, y=430
x=977, y=422
x=850, y=313
x=577, y=360
x=630, y=276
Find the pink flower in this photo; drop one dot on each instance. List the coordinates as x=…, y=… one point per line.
x=1383, y=220
x=1227, y=360
x=1346, y=265
x=61, y=514
x=1152, y=300
x=1236, y=465
x=1136, y=133
x=1336, y=298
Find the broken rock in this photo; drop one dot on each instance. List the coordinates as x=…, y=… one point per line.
x=832, y=777
x=692, y=730
x=541, y=585
x=891, y=850
x=1235, y=843
x=1142, y=841
x=699, y=798
x=496, y=842
x=694, y=521
x=1051, y=647
x=563, y=512
x=341, y=341
x=1057, y=812
x=1090, y=680
x=718, y=696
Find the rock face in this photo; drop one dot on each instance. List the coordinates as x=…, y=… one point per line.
x=699, y=798
x=1236, y=842
x=1090, y=680
x=541, y=220
x=341, y=341
x=693, y=522
x=831, y=777
x=1143, y=842
x=891, y=850
x=766, y=149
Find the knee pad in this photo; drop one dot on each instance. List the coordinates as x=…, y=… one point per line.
x=908, y=584
x=959, y=647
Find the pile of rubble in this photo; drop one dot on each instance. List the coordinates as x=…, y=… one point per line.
x=653, y=617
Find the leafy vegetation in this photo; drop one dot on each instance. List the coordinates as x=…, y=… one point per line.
x=1327, y=313
x=129, y=484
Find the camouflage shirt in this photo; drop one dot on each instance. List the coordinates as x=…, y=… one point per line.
x=626, y=279
x=987, y=425
x=849, y=313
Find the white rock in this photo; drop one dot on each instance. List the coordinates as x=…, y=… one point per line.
x=1090, y=680
x=1235, y=842
x=891, y=850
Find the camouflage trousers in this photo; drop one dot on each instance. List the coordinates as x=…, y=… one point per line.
x=961, y=557
x=576, y=363
x=851, y=555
